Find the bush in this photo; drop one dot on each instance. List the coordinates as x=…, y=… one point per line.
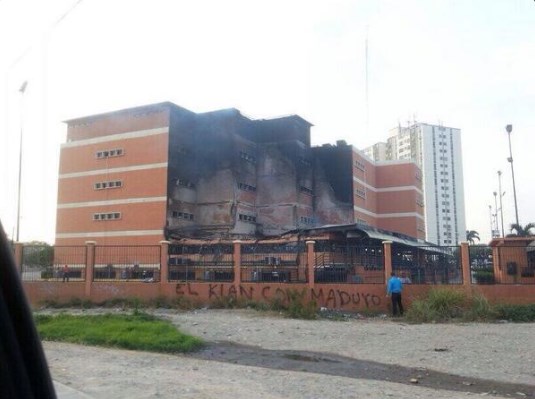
x=299, y=307
x=480, y=309
x=516, y=313
x=484, y=277
x=440, y=305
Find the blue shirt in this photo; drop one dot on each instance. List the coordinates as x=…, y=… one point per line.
x=394, y=286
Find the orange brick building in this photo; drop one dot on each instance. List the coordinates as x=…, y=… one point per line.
x=139, y=175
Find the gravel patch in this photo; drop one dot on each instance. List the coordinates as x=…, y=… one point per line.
x=501, y=352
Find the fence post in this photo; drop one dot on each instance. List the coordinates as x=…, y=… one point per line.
x=89, y=266
x=387, y=245
x=164, y=261
x=237, y=262
x=465, y=263
x=18, y=257
x=310, y=263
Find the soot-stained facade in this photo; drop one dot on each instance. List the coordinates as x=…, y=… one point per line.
x=160, y=171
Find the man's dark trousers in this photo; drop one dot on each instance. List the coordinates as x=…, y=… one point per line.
x=396, y=304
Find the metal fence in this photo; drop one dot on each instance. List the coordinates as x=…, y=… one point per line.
x=47, y=263
x=127, y=263
x=481, y=264
x=350, y=263
x=273, y=262
x=428, y=265
x=202, y=262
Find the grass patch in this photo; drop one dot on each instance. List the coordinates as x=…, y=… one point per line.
x=442, y=304
x=138, y=331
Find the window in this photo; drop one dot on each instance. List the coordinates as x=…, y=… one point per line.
x=116, y=152
x=360, y=192
x=107, y=216
x=247, y=218
x=182, y=215
x=247, y=157
x=246, y=187
x=360, y=165
x=185, y=183
x=108, y=184
x=306, y=220
x=306, y=190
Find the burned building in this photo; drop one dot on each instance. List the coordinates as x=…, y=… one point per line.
x=147, y=173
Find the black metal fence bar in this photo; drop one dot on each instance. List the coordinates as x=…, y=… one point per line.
x=127, y=263
x=59, y=263
x=349, y=263
x=201, y=262
x=481, y=264
x=282, y=263
x=428, y=265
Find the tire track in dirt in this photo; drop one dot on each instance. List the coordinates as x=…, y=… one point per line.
x=336, y=365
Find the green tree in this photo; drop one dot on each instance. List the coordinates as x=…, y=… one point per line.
x=472, y=236
x=38, y=253
x=521, y=231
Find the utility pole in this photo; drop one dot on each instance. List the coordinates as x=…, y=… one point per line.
x=509, y=129
x=22, y=90
x=501, y=196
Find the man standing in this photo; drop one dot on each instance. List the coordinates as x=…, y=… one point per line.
x=393, y=289
x=66, y=273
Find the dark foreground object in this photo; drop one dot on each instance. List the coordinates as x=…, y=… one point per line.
x=23, y=368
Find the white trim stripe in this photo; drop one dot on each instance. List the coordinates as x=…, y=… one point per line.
x=388, y=215
x=124, y=233
x=386, y=189
x=114, y=170
x=112, y=202
x=119, y=136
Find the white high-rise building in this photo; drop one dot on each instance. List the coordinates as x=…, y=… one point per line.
x=437, y=151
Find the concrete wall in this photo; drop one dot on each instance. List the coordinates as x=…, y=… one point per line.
x=359, y=297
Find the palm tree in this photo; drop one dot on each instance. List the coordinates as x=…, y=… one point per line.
x=471, y=236
x=521, y=231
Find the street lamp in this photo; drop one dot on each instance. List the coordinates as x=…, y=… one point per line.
x=22, y=90
x=501, y=195
x=509, y=129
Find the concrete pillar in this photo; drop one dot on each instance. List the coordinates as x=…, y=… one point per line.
x=89, y=266
x=387, y=246
x=465, y=264
x=237, y=262
x=18, y=257
x=164, y=261
x=310, y=263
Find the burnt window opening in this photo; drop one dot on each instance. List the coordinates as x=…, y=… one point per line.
x=182, y=215
x=306, y=220
x=185, y=183
x=247, y=157
x=305, y=161
x=246, y=187
x=306, y=190
x=247, y=218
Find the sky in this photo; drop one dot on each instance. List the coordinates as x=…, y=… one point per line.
x=464, y=64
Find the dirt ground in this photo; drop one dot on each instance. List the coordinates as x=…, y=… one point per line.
x=253, y=354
